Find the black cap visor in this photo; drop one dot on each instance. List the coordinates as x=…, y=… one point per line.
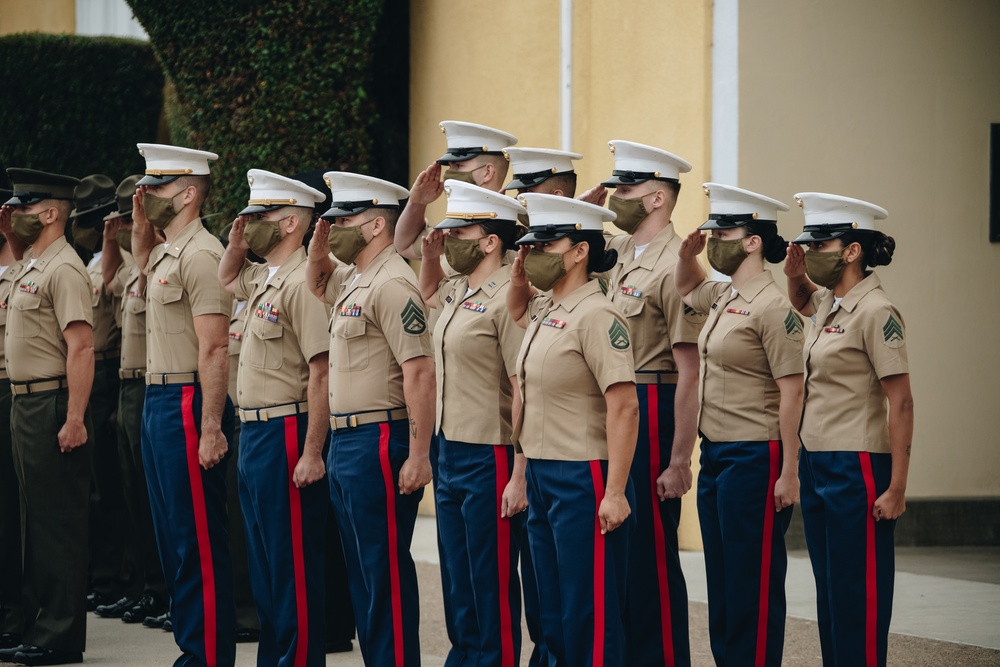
x=150, y=179
x=731, y=220
x=547, y=234
x=455, y=223
x=820, y=233
x=259, y=208
x=463, y=154
x=345, y=209
x=524, y=181
x=620, y=177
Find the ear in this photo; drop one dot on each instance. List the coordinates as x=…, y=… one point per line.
x=378, y=225
x=753, y=244
x=489, y=173
x=559, y=192
x=853, y=252
x=492, y=241
x=189, y=194
x=292, y=223
x=659, y=198
x=50, y=215
x=581, y=252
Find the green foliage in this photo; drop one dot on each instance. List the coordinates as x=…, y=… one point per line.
x=77, y=105
x=282, y=85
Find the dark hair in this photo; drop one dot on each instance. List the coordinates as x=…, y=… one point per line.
x=564, y=182
x=673, y=186
x=876, y=247
x=505, y=231
x=774, y=245
x=391, y=216
x=201, y=182
x=599, y=259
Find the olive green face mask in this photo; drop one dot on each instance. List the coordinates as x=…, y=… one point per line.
x=346, y=243
x=462, y=176
x=544, y=269
x=464, y=255
x=124, y=238
x=159, y=210
x=86, y=237
x=630, y=212
x=263, y=235
x=26, y=226
x=726, y=256
x=825, y=268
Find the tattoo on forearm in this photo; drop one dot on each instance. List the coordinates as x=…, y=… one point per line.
x=321, y=279
x=802, y=290
x=908, y=450
x=413, y=427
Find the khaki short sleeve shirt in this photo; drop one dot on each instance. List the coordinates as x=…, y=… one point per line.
x=475, y=353
x=750, y=338
x=133, y=316
x=183, y=284
x=643, y=289
x=51, y=292
x=377, y=323
x=847, y=352
x=286, y=327
x=107, y=307
x=7, y=282
x=237, y=328
x=571, y=353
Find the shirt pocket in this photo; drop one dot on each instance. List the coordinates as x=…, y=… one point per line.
x=266, y=349
x=631, y=306
x=28, y=321
x=353, y=353
x=171, y=307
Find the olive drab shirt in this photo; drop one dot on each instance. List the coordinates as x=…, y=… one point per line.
x=475, y=354
x=133, y=315
x=572, y=352
x=749, y=339
x=49, y=294
x=183, y=283
x=643, y=289
x=7, y=283
x=237, y=327
x=107, y=307
x=847, y=352
x=377, y=323
x=286, y=326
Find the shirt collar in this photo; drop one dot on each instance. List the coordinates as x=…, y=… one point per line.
x=654, y=249
x=366, y=277
x=574, y=298
x=852, y=298
x=294, y=260
x=755, y=286
x=494, y=282
x=185, y=235
x=50, y=253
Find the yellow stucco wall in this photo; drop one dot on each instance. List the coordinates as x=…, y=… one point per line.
x=640, y=72
x=892, y=102
x=37, y=16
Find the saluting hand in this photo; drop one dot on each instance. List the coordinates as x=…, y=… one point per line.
x=72, y=435
x=428, y=186
x=143, y=236
x=595, y=195
x=795, y=265
x=5, y=213
x=212, y=447
x=414, y=475
x=890, y=505
x=613, y=511
x=518, y=278
x=308, y=470
x=319, y=245
x=237, y=240
x=674, y=482
x=692, y=245
x=111, y=228
x=432, y=245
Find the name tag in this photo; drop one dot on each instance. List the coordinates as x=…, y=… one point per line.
x=631, y=290
x=266, y=311
x=549, y=322
x=737, y=311
x=474, y=305
x=834, y=329
x=352, y=310
x=29, y=287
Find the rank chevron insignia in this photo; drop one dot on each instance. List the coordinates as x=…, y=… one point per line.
x=793, y=325
x=413, y=318
x=892, y=330
x=689, y=311
x=618, y=335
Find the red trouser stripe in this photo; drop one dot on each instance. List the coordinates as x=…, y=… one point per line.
x=765, y=555
x=503, y=559
x=200, y=522
x=595, y=473
x=871, y=590
x=298, y=550
x=390, y=516
x=659, y=539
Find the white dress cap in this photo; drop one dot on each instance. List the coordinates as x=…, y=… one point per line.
x=638, y=163
x=353, y=193
x=270, y=191
x=470, y=204
x=734, y=207
x=552, y=217
x=532, y=166
x=829, y=216
x=168, y=163
x=467, y=140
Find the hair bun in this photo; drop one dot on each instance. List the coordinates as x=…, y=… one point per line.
x=774, y=250
x=882, y=249
x=607, y=263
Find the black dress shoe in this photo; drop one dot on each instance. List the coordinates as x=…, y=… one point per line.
x=34, y=655
x=146, y=606
x=95, y=600
x=9, y=640
x=7, y=654
x=168, y=625
x=155, y=621
x=340, y=647
x=115, y=610
x=247, y=636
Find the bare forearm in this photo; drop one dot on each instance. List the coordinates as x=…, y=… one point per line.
x=230, y=265
x=111, y=259
x=800, y=290
x=318, y=272
x=80, y=378
x=431, y=275
x=900, y=441
x=789, y=412
x=319, y=407
x=408, y=228
x=688, y=274
x=213, y=374
x=419, y=394
x=622, y=432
